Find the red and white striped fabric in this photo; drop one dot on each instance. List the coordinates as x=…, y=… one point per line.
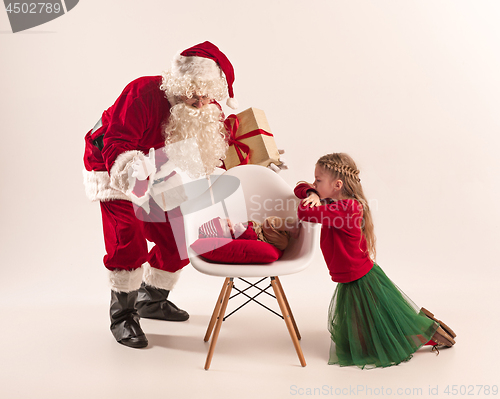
x=211, y=229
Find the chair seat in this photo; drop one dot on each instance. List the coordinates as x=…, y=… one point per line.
x=249, y=270
x=289, y=263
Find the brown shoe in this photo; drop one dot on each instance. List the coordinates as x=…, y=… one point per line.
x=448, y=330
x=442, y=338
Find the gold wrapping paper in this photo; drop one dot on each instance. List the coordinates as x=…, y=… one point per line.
x=263, y=149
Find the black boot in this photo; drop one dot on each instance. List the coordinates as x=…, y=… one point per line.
x=152, y=304
x=125, y=320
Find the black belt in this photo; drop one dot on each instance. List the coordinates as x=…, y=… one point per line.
x=98, y=141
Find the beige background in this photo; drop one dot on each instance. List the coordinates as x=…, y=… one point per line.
x=409, y=89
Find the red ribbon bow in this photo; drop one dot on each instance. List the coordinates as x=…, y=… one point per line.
x=232, y=124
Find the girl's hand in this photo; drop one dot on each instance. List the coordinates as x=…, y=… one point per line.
x=313, y=199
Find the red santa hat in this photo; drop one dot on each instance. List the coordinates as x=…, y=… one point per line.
x=212, y=52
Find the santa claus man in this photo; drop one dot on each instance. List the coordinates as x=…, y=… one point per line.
x=177, y=110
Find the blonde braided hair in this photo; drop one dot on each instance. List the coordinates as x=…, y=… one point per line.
x=341, y=166
x=343, y=169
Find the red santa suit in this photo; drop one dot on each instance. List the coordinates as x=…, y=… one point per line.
x=132, y=126
x=118, y=171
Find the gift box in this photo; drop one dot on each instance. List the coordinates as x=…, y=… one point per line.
x=251, y=140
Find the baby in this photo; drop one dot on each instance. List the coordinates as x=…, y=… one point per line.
x=274, y=230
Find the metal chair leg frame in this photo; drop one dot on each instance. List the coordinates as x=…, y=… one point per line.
x=288, y=321
x=288, y=307
x=218, y=324
x=252, y=298
x=216, y=310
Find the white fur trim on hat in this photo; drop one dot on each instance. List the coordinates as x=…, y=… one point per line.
x=197, y=67
x=125, y=280
x=194, y=75
x=98, y=188
x=160, y=278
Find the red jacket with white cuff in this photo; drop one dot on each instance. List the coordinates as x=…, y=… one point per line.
x=131, y=127
x=342, y=242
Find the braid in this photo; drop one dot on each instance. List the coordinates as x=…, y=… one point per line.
x=341, y=168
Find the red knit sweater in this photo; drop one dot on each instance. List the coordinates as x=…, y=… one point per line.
x=342, y=242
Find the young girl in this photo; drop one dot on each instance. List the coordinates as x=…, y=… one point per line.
x=372, y=323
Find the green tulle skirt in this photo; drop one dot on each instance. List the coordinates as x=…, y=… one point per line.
x=374, y=324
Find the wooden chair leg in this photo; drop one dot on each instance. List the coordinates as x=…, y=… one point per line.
x=288, y=307
x=288, y=321
x=216, y=310
x=218, y=324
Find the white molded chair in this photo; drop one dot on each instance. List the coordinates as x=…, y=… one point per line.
x=250, y=192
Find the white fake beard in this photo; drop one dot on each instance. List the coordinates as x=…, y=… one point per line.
x=195, y=139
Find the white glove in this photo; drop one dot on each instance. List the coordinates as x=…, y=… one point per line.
x=144, y=166
x=279, y=168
